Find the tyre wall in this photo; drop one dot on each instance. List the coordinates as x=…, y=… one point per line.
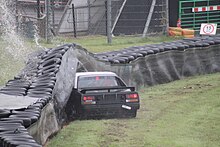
x=44, y=86
x=159, y=63
x=170, y=66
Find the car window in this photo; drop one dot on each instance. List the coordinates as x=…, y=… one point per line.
x=98, y=81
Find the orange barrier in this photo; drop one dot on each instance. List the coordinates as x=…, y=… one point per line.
x=177, y=31
x=188, y=36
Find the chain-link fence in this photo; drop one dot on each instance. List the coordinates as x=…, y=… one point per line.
x=128, y=17
x=89, y=17
x=141, y=17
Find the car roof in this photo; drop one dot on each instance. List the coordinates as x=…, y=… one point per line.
x=100, y=73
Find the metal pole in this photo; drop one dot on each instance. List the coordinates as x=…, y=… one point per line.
x=109, y=21
x=16, y=15
x=47, y=20
x=74, y=21
x=106, y=18
x=89, y=15
x=38, y=8
x=47, y=27
x=167, y=16
x=53, y=14
x=149, y=18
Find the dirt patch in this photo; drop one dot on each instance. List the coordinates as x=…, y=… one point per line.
x=191, y=88
x=197, y=86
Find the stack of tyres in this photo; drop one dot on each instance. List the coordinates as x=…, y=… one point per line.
x=14, y=134
x=127, y=55
x=43, y=84
x=15, y=87
x=40, y=84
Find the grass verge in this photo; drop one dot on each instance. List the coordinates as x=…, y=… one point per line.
x=181, y=113
x=99, y=44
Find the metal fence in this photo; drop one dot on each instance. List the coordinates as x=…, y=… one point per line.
x=141, y=17
x=194, y=12
x=89, y=17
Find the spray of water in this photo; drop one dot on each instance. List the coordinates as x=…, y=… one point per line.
x=15, y=45
x=14, y=50
x=37, y=38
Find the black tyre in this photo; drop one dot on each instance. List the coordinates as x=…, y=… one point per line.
x=130, y=58
x=9, y=120
x=26, y=121
x=15, y=93
x=49, y=75
x=167, y=48
x=42, y=85
x=4, y=113
x=50, y=62
x=50, y=57
x=217, y=41
x=144, y=53
x=122, y=59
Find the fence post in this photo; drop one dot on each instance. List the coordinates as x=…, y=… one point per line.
x=16, y=15
x=167, y=16
x=38, y=8
x=74, y=21
x=109, y=21
x=53, y=14
x=149, y=18
x=89, y=15
x=48, y=23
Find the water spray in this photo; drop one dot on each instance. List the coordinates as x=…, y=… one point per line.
x=15, y=45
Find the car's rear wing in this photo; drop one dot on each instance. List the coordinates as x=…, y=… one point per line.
x=109, y=89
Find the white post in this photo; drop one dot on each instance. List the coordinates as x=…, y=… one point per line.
x=119, y=14
x=149, y=18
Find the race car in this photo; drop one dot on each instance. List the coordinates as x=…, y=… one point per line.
x=100, y=94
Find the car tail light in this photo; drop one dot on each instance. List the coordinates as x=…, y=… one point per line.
x=132, y=97
x=89, y=100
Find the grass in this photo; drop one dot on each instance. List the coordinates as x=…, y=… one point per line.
x=178, y=114
x=99, y=44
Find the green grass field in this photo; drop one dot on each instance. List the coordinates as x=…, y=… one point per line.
x=183, y=113
x=99, y=44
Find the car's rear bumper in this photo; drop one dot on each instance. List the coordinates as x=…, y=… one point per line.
x=109, y=108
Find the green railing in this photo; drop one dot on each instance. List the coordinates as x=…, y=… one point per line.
x=193, y=13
